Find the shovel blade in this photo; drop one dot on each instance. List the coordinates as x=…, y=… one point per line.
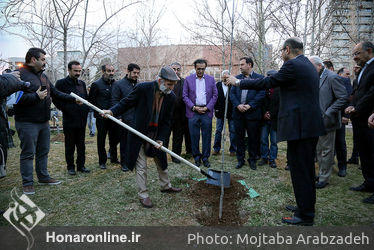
x=216, y=180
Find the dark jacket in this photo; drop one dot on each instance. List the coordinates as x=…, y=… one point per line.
x=271, y=105
x=101, y=95
x=254, y=99
x=299, y=114
x=30, y=108
x=74, y=115
x=179, y=112
x=219, y=107
x=121, y=89
x=348, y=88
x=142, y=100
x=363, y=97
x=8, y=85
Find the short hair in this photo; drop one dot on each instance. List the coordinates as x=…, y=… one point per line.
x=247, y=60
x=34, y=52
x=341, y=70
x=316, y=60
x=199, y=61
x=328, y=64
x=367, y=45
x=132, y=66
x=71, y=63
x=294, y=43
x=175, y=63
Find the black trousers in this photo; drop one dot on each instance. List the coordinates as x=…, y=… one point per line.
x=355, y=153
x=122, y=146
x=242, y=125
x=341, y=147
x=104, y=127
x=180, y=130
x=74, y=138
x=301, y=160
x=365, y=143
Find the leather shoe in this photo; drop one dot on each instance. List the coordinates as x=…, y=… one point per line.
x=102, y=166
x=206, y=163
x=215, y=153
x=72, y=172
x=352, y=161
x=321, y=184
x=83, y=170
x=273, y=164
x=115, y=161
x=369, y=200
x=342, y=173
x=291, y=208
x=176, y=161
x=232, y=153
x=147, y=203
x=287, y=168
x=252, y=165
x=197, y=163
x=239, y=165
x=124, y=168
x=263, y=162
x=361, y=188
x=171, y=190
x=294, y=220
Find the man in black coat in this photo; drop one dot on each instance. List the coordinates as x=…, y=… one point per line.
x=9, y=83
x=121, y=89
x=101, y=96
x=74, y=118
x=179, y=124
x=32, y=115
x=219, y=112
x=361, y=108
x=153, y=103
x=299, y=122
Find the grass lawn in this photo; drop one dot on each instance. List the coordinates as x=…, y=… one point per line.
x=109, y=197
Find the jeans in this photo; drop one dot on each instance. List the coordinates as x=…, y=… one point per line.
x=218, y=136
x=34, y=139
x=266, y=152
x=91, y=122
x=203, y=122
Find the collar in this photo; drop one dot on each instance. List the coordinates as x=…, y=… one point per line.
x=370, y=61
x=201, y=77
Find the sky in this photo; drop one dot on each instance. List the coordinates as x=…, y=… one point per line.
x=14, y=46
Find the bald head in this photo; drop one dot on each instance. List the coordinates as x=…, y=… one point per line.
x=292, y=47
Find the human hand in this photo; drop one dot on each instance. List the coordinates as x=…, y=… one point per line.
x=350, y=110
x=345, y=120
x=241, y=108
x=230, y=80
x=16, y=74
x=78, y=102
x=106, y=113
x=371, y=121
x=41, y=93
x=267, y=116
x=159, y=142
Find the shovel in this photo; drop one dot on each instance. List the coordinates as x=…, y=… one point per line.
x=142, y=136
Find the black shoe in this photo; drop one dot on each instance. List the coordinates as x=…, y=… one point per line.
x=321, y=184
x=239, y=165
x=252, y=165
x=272, y=164
x=263, y=162
x=317, y=178
x=342, y=172
x=369, y=200
x=291, y=208
x=115, y=161
x=197, y=163
x=353, y=161
x=124, y=168
x=294, y=220
x=84, y=170
x=287, y=168
x=103, y=166
x=361, y=188
x=206, y=163
x=176, y=161
x=72, y=172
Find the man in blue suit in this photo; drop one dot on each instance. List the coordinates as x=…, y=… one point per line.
x=247, y=113
x=299, y=123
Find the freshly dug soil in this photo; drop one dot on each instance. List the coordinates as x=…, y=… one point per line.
x=206, y=203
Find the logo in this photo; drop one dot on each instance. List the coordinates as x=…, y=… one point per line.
x=24, y=215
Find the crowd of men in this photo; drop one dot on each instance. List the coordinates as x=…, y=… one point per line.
x=304, y=103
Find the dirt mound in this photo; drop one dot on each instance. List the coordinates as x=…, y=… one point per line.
x=206, y=202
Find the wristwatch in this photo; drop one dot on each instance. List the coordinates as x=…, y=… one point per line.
x=237, y=82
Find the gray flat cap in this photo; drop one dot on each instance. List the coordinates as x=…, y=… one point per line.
x=168, y=73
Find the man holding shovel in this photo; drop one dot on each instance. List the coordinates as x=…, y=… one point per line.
x=153, y=103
